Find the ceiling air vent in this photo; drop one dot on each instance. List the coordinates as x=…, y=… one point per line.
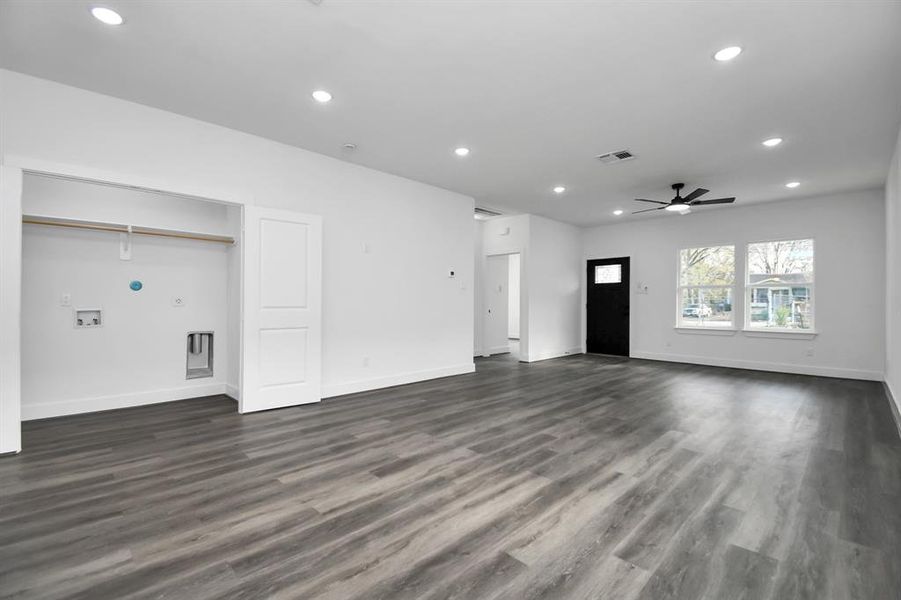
x=484, y=213
x=615, y=157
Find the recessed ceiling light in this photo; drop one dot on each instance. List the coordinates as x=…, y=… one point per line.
x=618, y=212
x=772, y=142
x=559, y=189
x=727, y=53
x=792, y=184
x=461, y=151
x=107, y=15
x=321, y=96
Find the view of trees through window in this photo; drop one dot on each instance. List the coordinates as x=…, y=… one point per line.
x=780, y=284
x=706, y=280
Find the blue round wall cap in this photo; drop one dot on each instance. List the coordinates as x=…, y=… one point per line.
x=136, y=285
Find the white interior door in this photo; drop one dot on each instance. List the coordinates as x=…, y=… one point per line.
x=282, y=301
x=496, y=304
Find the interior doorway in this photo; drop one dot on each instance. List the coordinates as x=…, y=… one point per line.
x=607, y=306
x=503, y=290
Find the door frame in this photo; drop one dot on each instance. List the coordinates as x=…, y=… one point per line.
x=585, y=284
x=12, y=172
x=523, y=303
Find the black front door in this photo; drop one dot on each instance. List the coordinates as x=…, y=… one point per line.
x=608, y=306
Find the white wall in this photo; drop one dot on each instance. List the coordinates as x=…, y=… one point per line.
x=10, y=306
x=50, y=196
x=893, y=277
x=138, y=355
x=478, y=318
x=391, y=314
x=850, y=272
x=513, y=297
x=554, y=270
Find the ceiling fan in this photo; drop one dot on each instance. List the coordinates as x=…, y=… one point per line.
x=683, y=205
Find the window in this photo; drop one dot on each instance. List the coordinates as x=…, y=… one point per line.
x=706, y=286
x=608, y=274
x=779, y=284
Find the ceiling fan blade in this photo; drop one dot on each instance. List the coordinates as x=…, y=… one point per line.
x=654, y=201
x=648, y=210
x=714, y=201
x=695, y=194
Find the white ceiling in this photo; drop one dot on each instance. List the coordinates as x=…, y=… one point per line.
x=535, y=88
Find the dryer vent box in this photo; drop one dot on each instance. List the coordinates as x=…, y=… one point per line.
x=199, y=361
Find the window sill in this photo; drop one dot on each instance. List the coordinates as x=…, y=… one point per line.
x=785, y=334
x=707, y=330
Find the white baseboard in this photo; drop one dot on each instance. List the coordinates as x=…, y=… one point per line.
x=496, y=350
x=762, y=366
x=893, y=405
x=58, y=408
x=548, y=354
x=232, y=391
x=364, y=385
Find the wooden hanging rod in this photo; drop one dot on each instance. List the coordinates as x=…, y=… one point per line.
x=119, y=228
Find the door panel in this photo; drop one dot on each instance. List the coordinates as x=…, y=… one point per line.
x=281, y=239
x=496, y=304
x=607, y=306
x=282, y=309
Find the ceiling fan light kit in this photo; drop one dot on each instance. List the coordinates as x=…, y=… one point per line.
x=683, y=205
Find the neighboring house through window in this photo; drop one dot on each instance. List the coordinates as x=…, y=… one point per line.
x=779, y=284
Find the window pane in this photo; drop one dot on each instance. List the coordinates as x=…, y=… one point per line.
x=608, y=274
x=706, y=307
x=713, y=265
x=780, y=307
x=786, y=262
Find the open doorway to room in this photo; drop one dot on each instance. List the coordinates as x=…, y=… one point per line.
x=502, y=289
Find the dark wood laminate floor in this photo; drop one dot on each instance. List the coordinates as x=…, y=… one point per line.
x=583, y=477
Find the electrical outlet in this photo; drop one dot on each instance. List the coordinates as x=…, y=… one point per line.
x=178, y=301
x=65, y=299
x=810, y=352
x=365, y=361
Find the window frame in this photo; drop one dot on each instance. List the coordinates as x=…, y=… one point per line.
x=680, y=324
x=811, y=285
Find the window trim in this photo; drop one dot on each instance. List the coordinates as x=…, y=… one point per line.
x=787, y=334
x=680, y=325
x=782, y=332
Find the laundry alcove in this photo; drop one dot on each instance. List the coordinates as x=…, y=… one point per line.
x=116, y=285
